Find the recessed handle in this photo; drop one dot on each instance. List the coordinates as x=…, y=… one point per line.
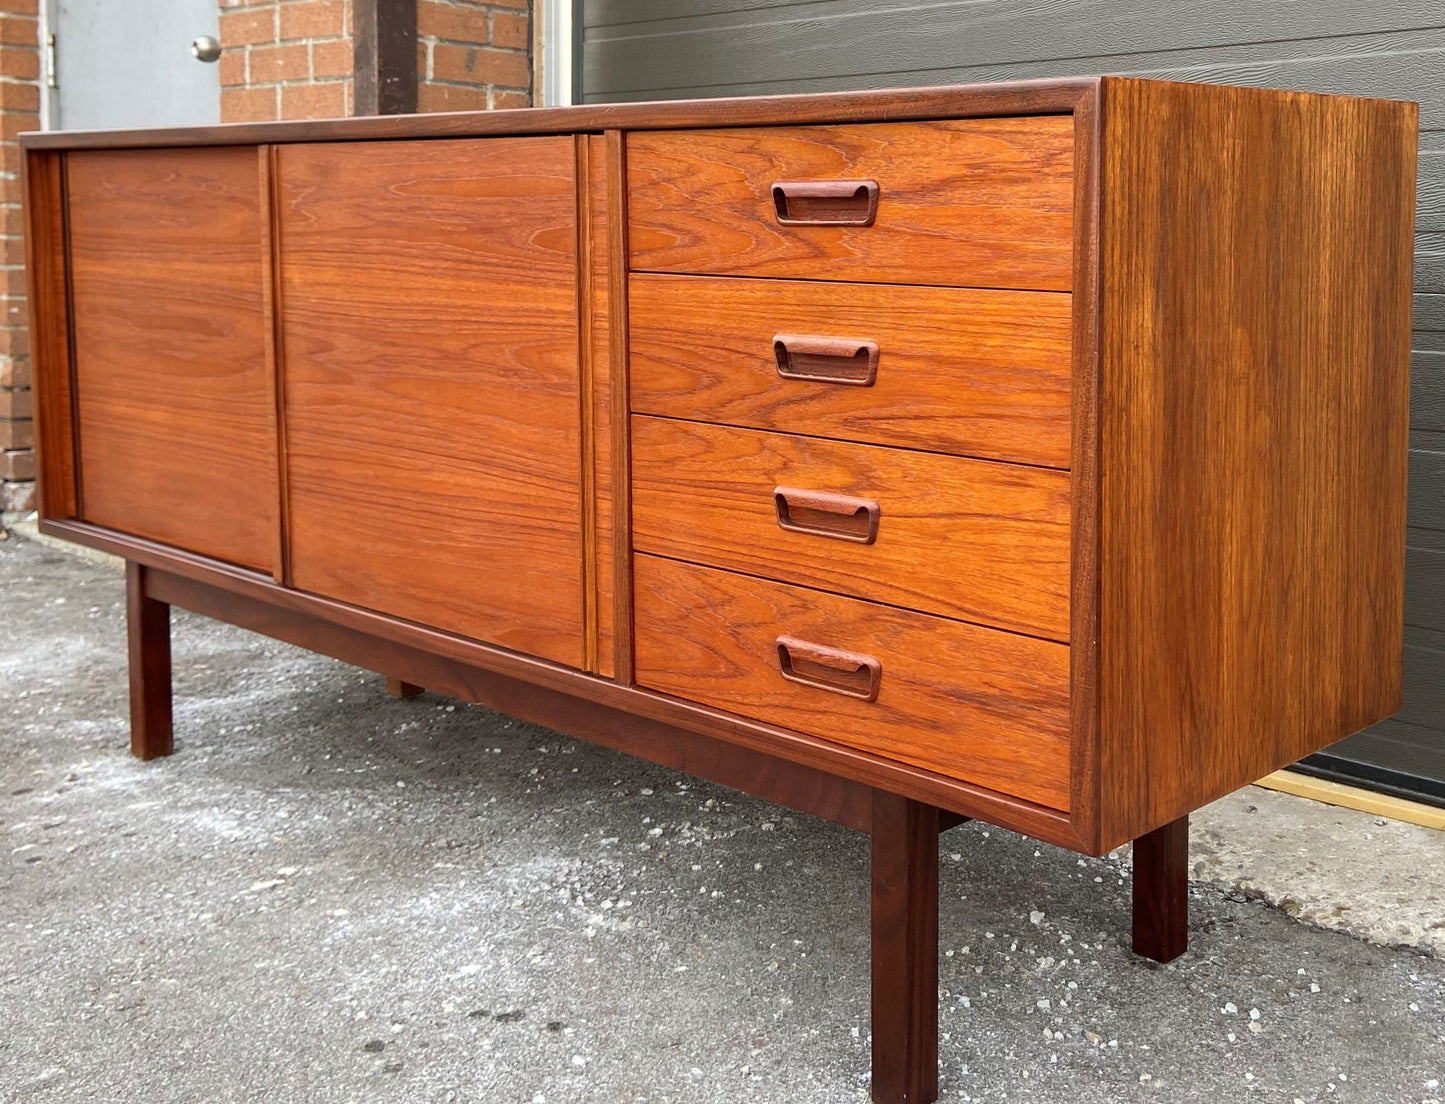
x=846, y=360
x=826, y=202
x=848, y=673
x=826, y=515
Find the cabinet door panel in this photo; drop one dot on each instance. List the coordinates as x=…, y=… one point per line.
x=175, y=408
x=431, y=386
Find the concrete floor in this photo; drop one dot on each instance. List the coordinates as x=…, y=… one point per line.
x=327, y=895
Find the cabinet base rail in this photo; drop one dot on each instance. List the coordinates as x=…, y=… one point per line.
x=904, y=832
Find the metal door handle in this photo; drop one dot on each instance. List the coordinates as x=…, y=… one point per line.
x=205, y=48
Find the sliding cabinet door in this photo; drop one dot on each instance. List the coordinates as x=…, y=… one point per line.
x=174, y=403
x=430, y=380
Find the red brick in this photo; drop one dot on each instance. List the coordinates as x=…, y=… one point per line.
x=14, y=372
x=450, y=97
x=233, y=68
x=480, y=65
x=16, y=466
x=18, y=30
x=14, y=342
x=456, y=24
x=20, y=96
x=332, y=59
x=422, y=72
x=13, y=122
x=511, y=30
x=248, y=105
x=20, y=62
x=314, y=19
x=523, y=5
x=313, y=101
x=17, y=435
x=15, y=403
x=22, y=7
x=17, y=498
x=503, y=100
x=245, y=28
x=273, y=64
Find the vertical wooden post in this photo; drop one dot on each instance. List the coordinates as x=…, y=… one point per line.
x=905, y=950
x=148, y=633
x=1161, y=892
x=400, y=689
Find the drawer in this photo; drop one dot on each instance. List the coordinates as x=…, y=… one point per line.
x=978, y=373
x=969, y=539
x=965, y=202
x=985, y=706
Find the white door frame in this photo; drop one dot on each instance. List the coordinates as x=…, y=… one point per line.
x=557, y=52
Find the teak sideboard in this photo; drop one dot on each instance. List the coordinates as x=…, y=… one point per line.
x=1028, y=452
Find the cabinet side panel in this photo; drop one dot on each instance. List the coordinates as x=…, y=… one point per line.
x=50, y=334
x=176, y=418
x=1256, y=266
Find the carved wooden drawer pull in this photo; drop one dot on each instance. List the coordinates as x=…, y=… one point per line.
x=826, y=202
x=851, y=674
x=826, y=515
x=826, y=359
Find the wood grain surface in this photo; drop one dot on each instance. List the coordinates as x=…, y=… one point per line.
x=389, y=635
x=976, y=704
x=599, y=344
x=903, y=909
x=173, y=394
x=1256, y=270
x=978, y=203
x=977, y=373
x=1026, y=97
x=148, y=654
x=429, y=311
x=48, y=290
x=970, y=539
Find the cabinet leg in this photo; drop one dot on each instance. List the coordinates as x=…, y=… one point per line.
x=905, y=950
x=148, y=633
x=1161, y=892
x=399, y=689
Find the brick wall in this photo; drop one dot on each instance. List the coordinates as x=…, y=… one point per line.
x=294, y=59
x=285, y=59
x=19, y=110
x=473, y=56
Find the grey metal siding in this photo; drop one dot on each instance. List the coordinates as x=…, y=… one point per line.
x=667, y=49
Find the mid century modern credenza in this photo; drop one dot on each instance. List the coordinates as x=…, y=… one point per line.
x=1027, y=452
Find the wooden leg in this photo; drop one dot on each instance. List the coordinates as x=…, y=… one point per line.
x=148, y=631
x=399, y=689
x=905, y=950
x=1161, y=892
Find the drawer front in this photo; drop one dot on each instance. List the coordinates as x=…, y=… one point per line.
x=984, y=706
x=977, y=373
x=970, y=539
x=970, y=202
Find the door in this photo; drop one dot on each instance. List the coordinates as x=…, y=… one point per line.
x=431, y=388
x=175, y=406
x=128, y=63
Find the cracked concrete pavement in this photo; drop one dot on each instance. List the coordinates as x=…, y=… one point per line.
x=328, y=895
